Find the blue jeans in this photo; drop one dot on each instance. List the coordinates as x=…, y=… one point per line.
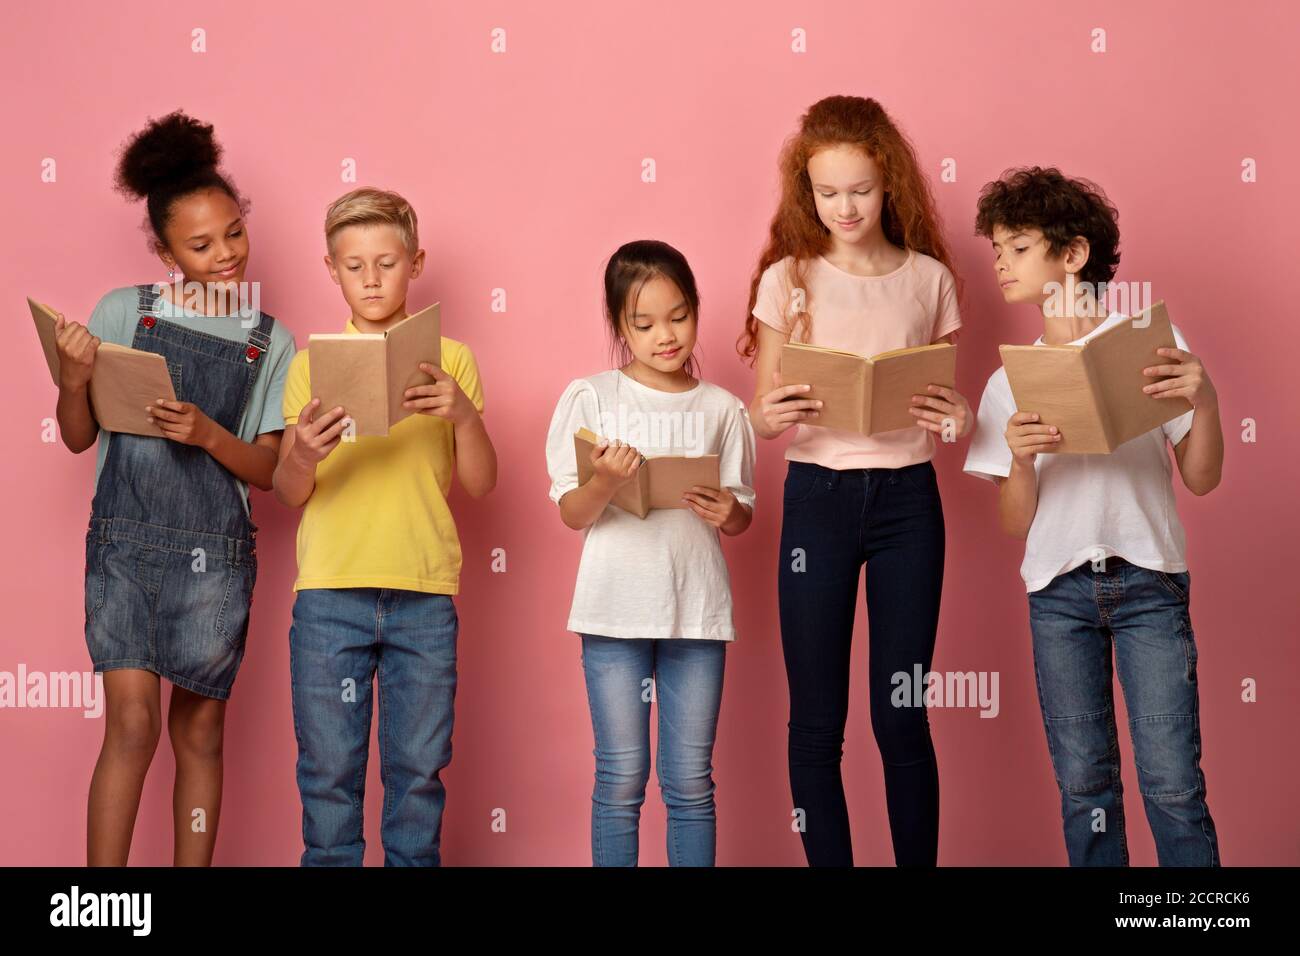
x=340, y=638
x=1144, y=613
x=687, y=687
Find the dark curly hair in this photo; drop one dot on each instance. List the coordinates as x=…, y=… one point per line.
x=171, y=158
x=1062, y=208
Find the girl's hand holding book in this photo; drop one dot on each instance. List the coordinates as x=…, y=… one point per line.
x=615, y=464
x=184, y=422
x=942, y=404
x=77, y=348
x=715, y=506
x=781, y=409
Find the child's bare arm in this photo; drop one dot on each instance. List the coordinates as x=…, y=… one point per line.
x=476, y=458
x=614, y=464
x=1200, y=453
x=1018, y=492
x=77, y=350
x=305, y=445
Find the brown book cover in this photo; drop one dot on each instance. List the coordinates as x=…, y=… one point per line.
x=368, y=373
x=123, y=382
x=659, y=483
x=1093, y=392
x=867, y=395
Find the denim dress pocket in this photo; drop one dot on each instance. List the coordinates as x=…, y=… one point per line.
x=94, y=575
x=232, y=619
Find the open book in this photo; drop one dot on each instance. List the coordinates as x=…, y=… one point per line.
x=123, y=382
x=1093, y=392
x=659, y=482
x=368, y=373
x=867, y=395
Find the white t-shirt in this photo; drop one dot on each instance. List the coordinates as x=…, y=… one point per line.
x=662, y=576
x=1089, y=506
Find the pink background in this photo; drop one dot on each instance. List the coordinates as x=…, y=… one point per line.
x=525, y=171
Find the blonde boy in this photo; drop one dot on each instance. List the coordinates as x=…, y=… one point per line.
x=378, y=561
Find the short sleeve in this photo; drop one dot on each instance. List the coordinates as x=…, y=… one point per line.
x=989, y=455
x=578, y=407
x=273, y=408
x=297, y=388
x=113, y=318
x=948, y=316
x=1176, y=429
x=464, y=369
x=736, y=458
x=770, y=302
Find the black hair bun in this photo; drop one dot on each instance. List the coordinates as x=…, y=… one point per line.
x=166, y=154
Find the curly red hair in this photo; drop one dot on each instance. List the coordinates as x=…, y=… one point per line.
x=909, y=218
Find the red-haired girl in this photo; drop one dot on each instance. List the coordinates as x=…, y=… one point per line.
x=855, y=260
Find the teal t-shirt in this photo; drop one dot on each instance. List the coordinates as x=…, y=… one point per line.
x=114, y=320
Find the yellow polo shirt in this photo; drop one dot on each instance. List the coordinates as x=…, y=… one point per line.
x=378, y=516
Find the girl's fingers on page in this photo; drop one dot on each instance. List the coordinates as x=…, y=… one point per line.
x=1163, y=370
x=1165, y=385
x=1180, y=354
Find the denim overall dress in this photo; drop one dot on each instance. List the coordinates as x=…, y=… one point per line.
x=170, y=552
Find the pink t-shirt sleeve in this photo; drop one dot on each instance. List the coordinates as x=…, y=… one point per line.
x=948, y=318
x=769, y=303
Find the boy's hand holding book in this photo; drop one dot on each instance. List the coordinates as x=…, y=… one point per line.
x=1189, y=379
x=442, y=399
x=315, y=436
x=1027, y=437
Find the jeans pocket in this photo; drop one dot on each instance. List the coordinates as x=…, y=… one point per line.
x=804, y=483
x=921, y=479
x=1178, y=583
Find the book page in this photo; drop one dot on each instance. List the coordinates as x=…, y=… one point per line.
x=1052, y=380
x=838, y=379
x=416, y=339
x=45, y=321
x=898, y=375
x=1116, y=359
x=672, y=475
x=349, y=370
x=125, y=380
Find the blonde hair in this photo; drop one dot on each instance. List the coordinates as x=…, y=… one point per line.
x=372, y=207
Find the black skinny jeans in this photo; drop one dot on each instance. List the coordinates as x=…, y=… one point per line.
x=833, y=522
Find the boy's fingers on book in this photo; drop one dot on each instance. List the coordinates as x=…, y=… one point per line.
x=1164, y=370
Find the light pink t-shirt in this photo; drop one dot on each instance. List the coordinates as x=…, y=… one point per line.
x=913, y=305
